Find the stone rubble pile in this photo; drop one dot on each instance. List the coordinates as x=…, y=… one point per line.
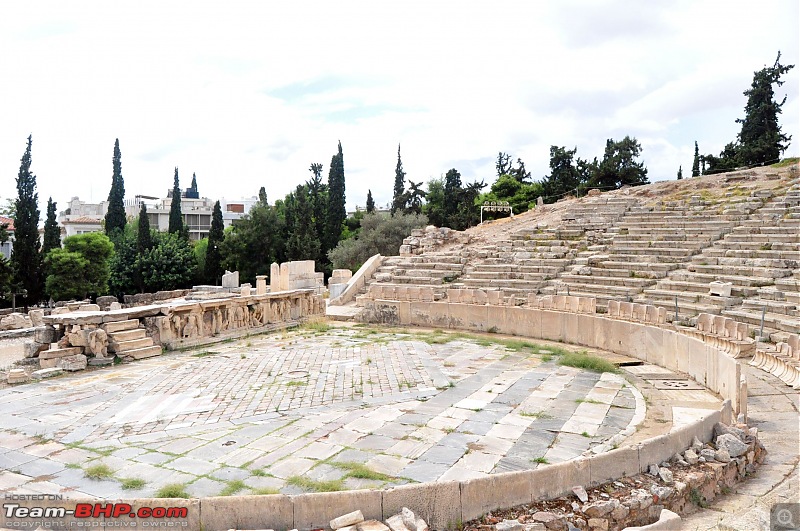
x=405, y=520
x=686, y=481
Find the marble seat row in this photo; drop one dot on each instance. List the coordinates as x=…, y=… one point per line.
x=723, y=333
x=782, y=361
x=631, y=311
x=563, y=303
x=378, y=291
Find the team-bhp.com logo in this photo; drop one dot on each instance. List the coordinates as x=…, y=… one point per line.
x=87, y=515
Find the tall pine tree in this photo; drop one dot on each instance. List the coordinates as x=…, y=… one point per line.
x=52, y=233
x=370, y=202
x=336, y=211
x=399, y=197
x=175, y=214
x=761, y=140
x=680, y=172
x=696, y=161
x=214, y=270
x=115, y=217
x=26, y=258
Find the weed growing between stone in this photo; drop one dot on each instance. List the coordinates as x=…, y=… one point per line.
x=173, y=490
x=99, y=471
x=582, y=360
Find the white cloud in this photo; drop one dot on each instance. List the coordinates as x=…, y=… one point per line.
x=250, y=94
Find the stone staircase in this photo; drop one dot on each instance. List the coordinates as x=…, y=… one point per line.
x=647, y=243
x=773, y=243
x=127, y=340
x=437, y=270
x=742, y=258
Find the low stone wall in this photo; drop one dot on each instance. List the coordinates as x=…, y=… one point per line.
x=73, y=340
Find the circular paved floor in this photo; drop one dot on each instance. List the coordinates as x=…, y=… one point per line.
x=349, y=407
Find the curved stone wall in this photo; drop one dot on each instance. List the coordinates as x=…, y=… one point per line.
x=445, y=504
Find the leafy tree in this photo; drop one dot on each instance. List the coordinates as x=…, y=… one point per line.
x=618, y=167
x=25, y=256
x=370, y=202
x=169, y=264
x=761, y=140
x=66, y=279
x=80, y=268
x=727, y=160
x=434, y=208
x=255, y=241
x=521, y=196
x=115, y=217
x=399, y=198
x=380, y=233
x=213, y=260
x=125, y=269
x=336, y=211
x=520, y=173
x=564, y=175
x=680, y=172
x=52, y=233
x=144, y=236
x=302, y=243
x=175, y=214
x=696, y=161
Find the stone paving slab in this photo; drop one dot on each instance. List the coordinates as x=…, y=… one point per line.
x=309, y=404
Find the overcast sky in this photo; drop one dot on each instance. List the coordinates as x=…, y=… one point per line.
x=249, y=94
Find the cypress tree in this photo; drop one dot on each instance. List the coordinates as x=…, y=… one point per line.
x=318, y=195
x=370, y=202
x=144, y=240
x=115, y=217
x=26, y=258
x=336, y=211
x=399, y=197
x=52, y=234
x=175, y=214
x=214, y=271
x=680, y=172
x=696, y=162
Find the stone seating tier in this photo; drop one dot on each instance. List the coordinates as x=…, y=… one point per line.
x=782, y=360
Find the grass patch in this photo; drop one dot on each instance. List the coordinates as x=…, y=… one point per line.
x=296, y=383
x=203, y=354
x=173, y=490
x=587, y=401
x=99, y=471
x=265, y=491
x=132, y=483
x=316, y=325
x=541, y=460
x=585, y=434
x=786, y=162
x=582, y=360
x=311, y=485
x=233, y=487
x=259, y=473
x=536, y=415
x=360, y=471
x=73, y=465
